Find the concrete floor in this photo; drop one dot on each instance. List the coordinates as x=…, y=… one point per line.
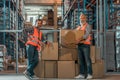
x=22, y=77
x=13, y=77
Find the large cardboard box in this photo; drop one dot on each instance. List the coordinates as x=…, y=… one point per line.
x=78, y=33
x=66, y=69
x=50, y=69
x=98, y=69
x=63, y=31
x=92, y=53
x=50, y=52
x=68, y=37
x=68, y=54
x=39, y=70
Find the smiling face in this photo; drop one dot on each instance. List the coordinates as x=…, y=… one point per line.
x=39, y=23
x=82, y=21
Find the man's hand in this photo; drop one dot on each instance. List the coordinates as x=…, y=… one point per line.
x=48, y=43
x=41, y=44
x=79, y=40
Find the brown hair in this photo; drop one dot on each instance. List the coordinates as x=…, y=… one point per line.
x=39, y=20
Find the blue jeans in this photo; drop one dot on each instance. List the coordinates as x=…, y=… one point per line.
x=33, y=58
x=84, y=58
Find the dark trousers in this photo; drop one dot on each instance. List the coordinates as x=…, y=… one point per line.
x=84, y=58
x=33, y=58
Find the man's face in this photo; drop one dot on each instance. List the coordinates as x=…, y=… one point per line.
x=82, y=21
x=39, y=23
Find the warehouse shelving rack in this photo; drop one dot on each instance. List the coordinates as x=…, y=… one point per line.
x=103, y=18
x=71, y=15
x=11, y=24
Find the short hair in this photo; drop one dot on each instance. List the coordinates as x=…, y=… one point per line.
x=39, y=20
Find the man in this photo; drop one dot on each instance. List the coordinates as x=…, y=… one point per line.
x=33, y=45
x=84, y=49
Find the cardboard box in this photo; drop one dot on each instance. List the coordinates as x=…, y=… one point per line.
x=77, y=69
x=66, y=69
x=50, y=69
x=39, y=70
x=68, y=37
x=63, y=31
x=98, y=69
x=68, y=54
x=98, y=53
x=50, y=52
x=78, y=34
x=92, y=53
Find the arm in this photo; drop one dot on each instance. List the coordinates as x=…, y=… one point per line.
x=27, y=31
x=43, y=39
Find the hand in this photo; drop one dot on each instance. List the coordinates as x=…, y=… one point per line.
x=41, y=44
x=77, y=41
x=48, y=43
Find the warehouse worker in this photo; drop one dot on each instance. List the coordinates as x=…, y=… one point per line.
x=33, y=44
x=84, y=49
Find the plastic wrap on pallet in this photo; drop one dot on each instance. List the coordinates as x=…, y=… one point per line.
x=110, y=51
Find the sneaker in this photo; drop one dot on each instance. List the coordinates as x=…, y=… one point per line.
x=26, y=73
x=89, y=76
x=80, y=77
x=34, y=77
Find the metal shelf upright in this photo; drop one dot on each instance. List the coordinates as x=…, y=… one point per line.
x=11, y=24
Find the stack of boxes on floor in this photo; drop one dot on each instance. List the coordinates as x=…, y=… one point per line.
x=97, y=62
x=62, y=61
x=47, y=67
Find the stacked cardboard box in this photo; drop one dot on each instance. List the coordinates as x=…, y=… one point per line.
x=47, y=67
x=62, y=61
x=68, y=54
x=68, y=38
x=98, y=69
x=66, y=69
x=97, y=62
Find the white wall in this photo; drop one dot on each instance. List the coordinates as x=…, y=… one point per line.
x=34, y=18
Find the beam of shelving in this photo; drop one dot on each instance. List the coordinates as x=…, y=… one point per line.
x=91, y=3
x=66, y=14
x=11, y=30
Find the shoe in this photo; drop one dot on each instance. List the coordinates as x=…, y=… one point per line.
x=34, y=77
x=26, y=73
x=80, y=77
x=89, y=76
